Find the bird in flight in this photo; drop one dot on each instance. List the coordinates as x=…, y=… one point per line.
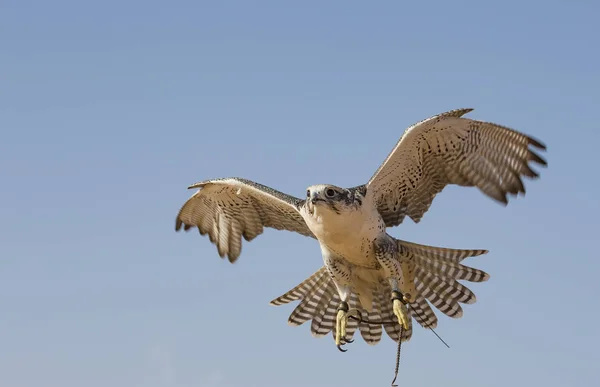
x=366, y=272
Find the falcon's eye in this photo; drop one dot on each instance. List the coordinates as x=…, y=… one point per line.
x=307, y=193
x=330, y=193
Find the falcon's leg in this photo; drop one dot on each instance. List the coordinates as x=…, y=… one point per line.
x=341, y=276
x=399, y=267
x=343, y=314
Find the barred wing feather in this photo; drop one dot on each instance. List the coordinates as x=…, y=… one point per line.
x=449, y=149
x=231, y=208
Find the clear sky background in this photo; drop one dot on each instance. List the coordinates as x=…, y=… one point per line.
x=109, y=110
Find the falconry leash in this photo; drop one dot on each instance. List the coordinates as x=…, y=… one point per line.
x=360, y=319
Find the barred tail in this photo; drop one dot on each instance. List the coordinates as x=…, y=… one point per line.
x=319, y=301
x=437, y=271
x=300, y=290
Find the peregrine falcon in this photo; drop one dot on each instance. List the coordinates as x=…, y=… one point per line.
x=366, y=271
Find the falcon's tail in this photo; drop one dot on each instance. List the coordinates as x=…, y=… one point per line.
x=319, y=303
x=437, y=271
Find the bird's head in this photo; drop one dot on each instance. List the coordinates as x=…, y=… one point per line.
x=331, y=199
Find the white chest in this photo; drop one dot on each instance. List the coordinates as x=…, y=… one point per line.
x=349, y=234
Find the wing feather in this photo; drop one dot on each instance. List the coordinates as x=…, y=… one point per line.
x=231, y=208
x=450, y=149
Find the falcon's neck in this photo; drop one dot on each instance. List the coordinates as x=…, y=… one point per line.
x=344, y=223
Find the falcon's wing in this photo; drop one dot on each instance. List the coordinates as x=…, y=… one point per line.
x=227, y=209
x=448, y=149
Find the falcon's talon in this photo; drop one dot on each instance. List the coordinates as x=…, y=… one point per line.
x=401, y=313
x=345, y=341
x=344, y=313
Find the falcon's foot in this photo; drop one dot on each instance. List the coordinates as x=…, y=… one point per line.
x=399, y=308
x=343, y=314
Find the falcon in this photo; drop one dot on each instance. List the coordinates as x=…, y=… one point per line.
x=381, y=281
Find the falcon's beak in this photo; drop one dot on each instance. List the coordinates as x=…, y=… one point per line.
x=316, y=199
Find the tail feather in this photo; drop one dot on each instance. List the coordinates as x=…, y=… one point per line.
x=300, y=291
x=307, y=308
x=329, y=312
x=371, y=333
x=446, y=268
x=423, y=313
x=440, y=253
x=449, y=307
x=447, y=288
x=322, y=323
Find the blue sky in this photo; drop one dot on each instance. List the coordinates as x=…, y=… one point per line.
x=108, y=111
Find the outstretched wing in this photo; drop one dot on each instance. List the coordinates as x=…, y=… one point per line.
x=449, y=149
x=227, y=209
